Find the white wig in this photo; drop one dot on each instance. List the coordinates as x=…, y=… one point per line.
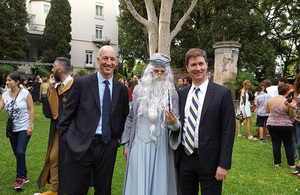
x=153, y=95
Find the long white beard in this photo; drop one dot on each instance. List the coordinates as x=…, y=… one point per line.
x=153, y=96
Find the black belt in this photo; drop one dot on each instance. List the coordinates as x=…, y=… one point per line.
x=97, y=136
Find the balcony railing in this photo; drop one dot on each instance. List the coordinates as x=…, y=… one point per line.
x=35, y=27
x=99, y=40
x=92, y=65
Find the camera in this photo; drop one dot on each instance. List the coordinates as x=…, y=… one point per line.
x=288, y=100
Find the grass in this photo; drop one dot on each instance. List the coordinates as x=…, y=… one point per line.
x=252, y=170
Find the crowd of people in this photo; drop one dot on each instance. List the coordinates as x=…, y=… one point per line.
x=173, y=136
x=277, y=115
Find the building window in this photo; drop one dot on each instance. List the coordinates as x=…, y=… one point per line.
x=88, y=58
x=99, y=11
x=99, y=32
x=46, y=9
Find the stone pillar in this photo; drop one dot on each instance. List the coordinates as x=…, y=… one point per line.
x=226, y=57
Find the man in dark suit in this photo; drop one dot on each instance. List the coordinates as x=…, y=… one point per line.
x=207, y=116
x=91, y=126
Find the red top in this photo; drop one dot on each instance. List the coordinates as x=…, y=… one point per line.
x=129, y=94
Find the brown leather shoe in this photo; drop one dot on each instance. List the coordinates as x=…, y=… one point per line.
x=47, y=193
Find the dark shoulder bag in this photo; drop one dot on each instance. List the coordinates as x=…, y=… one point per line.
x=46, y=106
x=10, y=121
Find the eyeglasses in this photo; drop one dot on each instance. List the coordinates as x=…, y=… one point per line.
x=159, y=71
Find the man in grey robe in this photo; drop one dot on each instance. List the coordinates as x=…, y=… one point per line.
x=152, y=132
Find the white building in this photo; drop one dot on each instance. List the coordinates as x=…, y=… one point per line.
x=93, y=24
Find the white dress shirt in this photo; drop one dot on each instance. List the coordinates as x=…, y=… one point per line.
x=201, y=96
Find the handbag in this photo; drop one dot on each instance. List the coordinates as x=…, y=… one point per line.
x=10, y=121
x=241, y=113
x=9, y=127
x=46, y=107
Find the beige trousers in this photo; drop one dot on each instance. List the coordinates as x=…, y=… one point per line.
x=54, y=163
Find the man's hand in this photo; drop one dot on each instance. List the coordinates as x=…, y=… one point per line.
x=221, y=173
x=171, y=118
x=125, y=154
x=52, y=81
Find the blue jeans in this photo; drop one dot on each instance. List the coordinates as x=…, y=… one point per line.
x=19, y=145
x=297, y=131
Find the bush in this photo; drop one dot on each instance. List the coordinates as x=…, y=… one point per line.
x=82, y=72
x=4, y=71
x=42, y=70
x=237, y=84
x=139, y=67
x=118, y=76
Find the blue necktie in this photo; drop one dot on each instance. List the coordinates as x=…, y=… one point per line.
x=191, y=124
x=106, y=129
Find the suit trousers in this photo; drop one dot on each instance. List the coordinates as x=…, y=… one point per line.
x=53, y=159
x=190, y=174
x=99, y=160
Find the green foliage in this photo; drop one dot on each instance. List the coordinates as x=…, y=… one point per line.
x=42, y=70
x=139, y=67
x=118, y=76
x=82, y=72
x=133, y=38
x=237, y=84
x=285, y=34
x=57, y=33
x=13, y=19
x=242, y=76
x=268, y=30
x=4, y=71
x=228, y=21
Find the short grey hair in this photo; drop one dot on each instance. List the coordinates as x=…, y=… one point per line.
x=65, y=64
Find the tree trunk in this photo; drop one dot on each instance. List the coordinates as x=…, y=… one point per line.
x=159, y=34
x=153, y=38
x=164, y=42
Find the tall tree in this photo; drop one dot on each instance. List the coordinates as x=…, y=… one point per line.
x=13, y=20
x=159, y=34
x=228, y=20
x=284, y=19
x=267, y=29
x=133, y=41
x=57, y=33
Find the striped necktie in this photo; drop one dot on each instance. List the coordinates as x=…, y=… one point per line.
x=189, y=144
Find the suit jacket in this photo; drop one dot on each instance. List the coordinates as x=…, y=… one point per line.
x=81, y=114
x=216, y=129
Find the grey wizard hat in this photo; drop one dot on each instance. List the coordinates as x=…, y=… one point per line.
x=160, y=60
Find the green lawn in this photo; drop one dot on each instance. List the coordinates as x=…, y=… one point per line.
x=252, y=167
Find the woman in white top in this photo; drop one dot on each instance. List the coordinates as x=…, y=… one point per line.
x=20, y=101
x=245, y=104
